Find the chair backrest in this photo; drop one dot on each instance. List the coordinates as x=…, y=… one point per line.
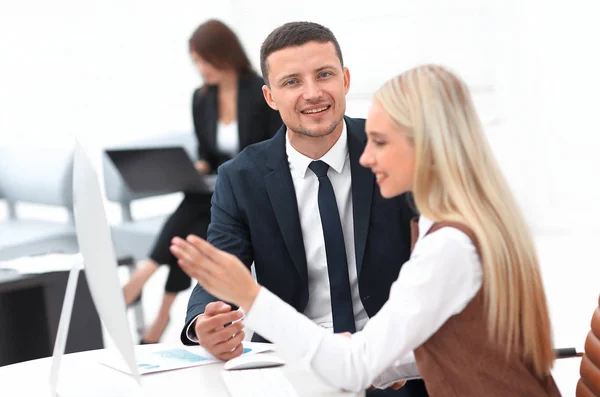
x=10, y=215
x=589, y=384
x=116, y=188
x=40, y=175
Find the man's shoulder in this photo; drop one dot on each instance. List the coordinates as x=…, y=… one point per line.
x=356, y=127
x=358, y=121
x=252, y=159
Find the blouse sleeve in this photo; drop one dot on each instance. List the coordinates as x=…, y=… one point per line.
x=441, y=278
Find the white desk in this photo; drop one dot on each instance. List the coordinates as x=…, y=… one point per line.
x=81, y=375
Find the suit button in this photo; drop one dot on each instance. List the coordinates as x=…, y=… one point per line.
x=366, y=298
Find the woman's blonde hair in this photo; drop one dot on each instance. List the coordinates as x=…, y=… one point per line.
x=457, y=179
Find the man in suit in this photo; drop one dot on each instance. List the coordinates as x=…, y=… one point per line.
x=301, y=208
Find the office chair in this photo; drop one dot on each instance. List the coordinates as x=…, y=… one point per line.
x=38, y=175
x=589, y=383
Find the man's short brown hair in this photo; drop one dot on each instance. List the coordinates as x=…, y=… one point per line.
x=295, y=34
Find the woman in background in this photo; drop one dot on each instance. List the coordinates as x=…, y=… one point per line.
x=468, y=312
x=229, y=114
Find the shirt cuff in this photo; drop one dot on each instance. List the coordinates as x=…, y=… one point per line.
x=190, y=332
x=403, y=369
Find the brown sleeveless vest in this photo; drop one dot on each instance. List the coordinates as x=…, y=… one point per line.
x=460, y=360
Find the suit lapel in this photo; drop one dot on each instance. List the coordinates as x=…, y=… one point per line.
x=282, y=194
x=362, y=189
x=211, y=115
x=243, y=106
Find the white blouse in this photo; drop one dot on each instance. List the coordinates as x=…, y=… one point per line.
x=442, y=276
x=228, y=139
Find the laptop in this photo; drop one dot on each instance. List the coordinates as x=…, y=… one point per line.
x=160, y=170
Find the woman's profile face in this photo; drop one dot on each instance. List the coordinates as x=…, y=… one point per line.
x=210, y=74
x=389, y=154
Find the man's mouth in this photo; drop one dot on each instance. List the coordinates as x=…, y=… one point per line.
x=316, y=110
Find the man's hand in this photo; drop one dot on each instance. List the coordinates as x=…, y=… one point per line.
x=394, y=386
x=398, y=385
x=222, y=342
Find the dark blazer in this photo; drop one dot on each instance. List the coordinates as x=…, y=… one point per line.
x=256, y=120
x=254, y=216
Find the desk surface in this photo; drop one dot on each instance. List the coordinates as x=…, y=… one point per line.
x=11, y=280
x=82, y=375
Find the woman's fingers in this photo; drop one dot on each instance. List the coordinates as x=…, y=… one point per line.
x=219, y=272
x=184, y=250
x=191, y=256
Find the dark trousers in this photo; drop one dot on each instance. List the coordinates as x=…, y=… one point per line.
x=191, y=217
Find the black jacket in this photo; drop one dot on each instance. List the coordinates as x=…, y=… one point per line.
x=256, y=120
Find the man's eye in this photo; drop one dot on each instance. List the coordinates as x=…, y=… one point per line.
x=324, y=74
x=291, y=82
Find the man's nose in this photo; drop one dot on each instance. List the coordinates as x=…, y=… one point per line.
x=312, y=91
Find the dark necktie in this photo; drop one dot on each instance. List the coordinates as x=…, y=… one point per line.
x=337, y=265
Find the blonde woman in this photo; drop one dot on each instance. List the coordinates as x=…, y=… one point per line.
x=468, y=312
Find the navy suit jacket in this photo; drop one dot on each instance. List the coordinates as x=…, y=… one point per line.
x=254, y=216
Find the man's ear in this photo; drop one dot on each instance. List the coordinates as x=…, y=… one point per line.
x=346, y=79
x=269, y=97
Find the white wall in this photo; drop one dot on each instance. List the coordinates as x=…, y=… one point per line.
x=104, y=71
x=385, y=37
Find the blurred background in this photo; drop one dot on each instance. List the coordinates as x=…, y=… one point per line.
x=113, y=72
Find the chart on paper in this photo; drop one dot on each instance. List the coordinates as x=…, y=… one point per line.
x=157, y=358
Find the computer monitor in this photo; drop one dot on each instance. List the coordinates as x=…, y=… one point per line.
x=98, y=253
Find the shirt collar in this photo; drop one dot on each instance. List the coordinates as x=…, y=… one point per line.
x=335, y=157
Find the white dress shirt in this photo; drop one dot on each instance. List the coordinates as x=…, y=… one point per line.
x=228, y=138
x=306, y=185
x=442, y=276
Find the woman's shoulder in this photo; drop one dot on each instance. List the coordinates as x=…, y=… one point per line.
x=200, y=93
x=449, y=228
x=448, y=240
x=252, y=81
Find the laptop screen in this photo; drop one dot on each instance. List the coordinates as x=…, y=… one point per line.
x=158, y=170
